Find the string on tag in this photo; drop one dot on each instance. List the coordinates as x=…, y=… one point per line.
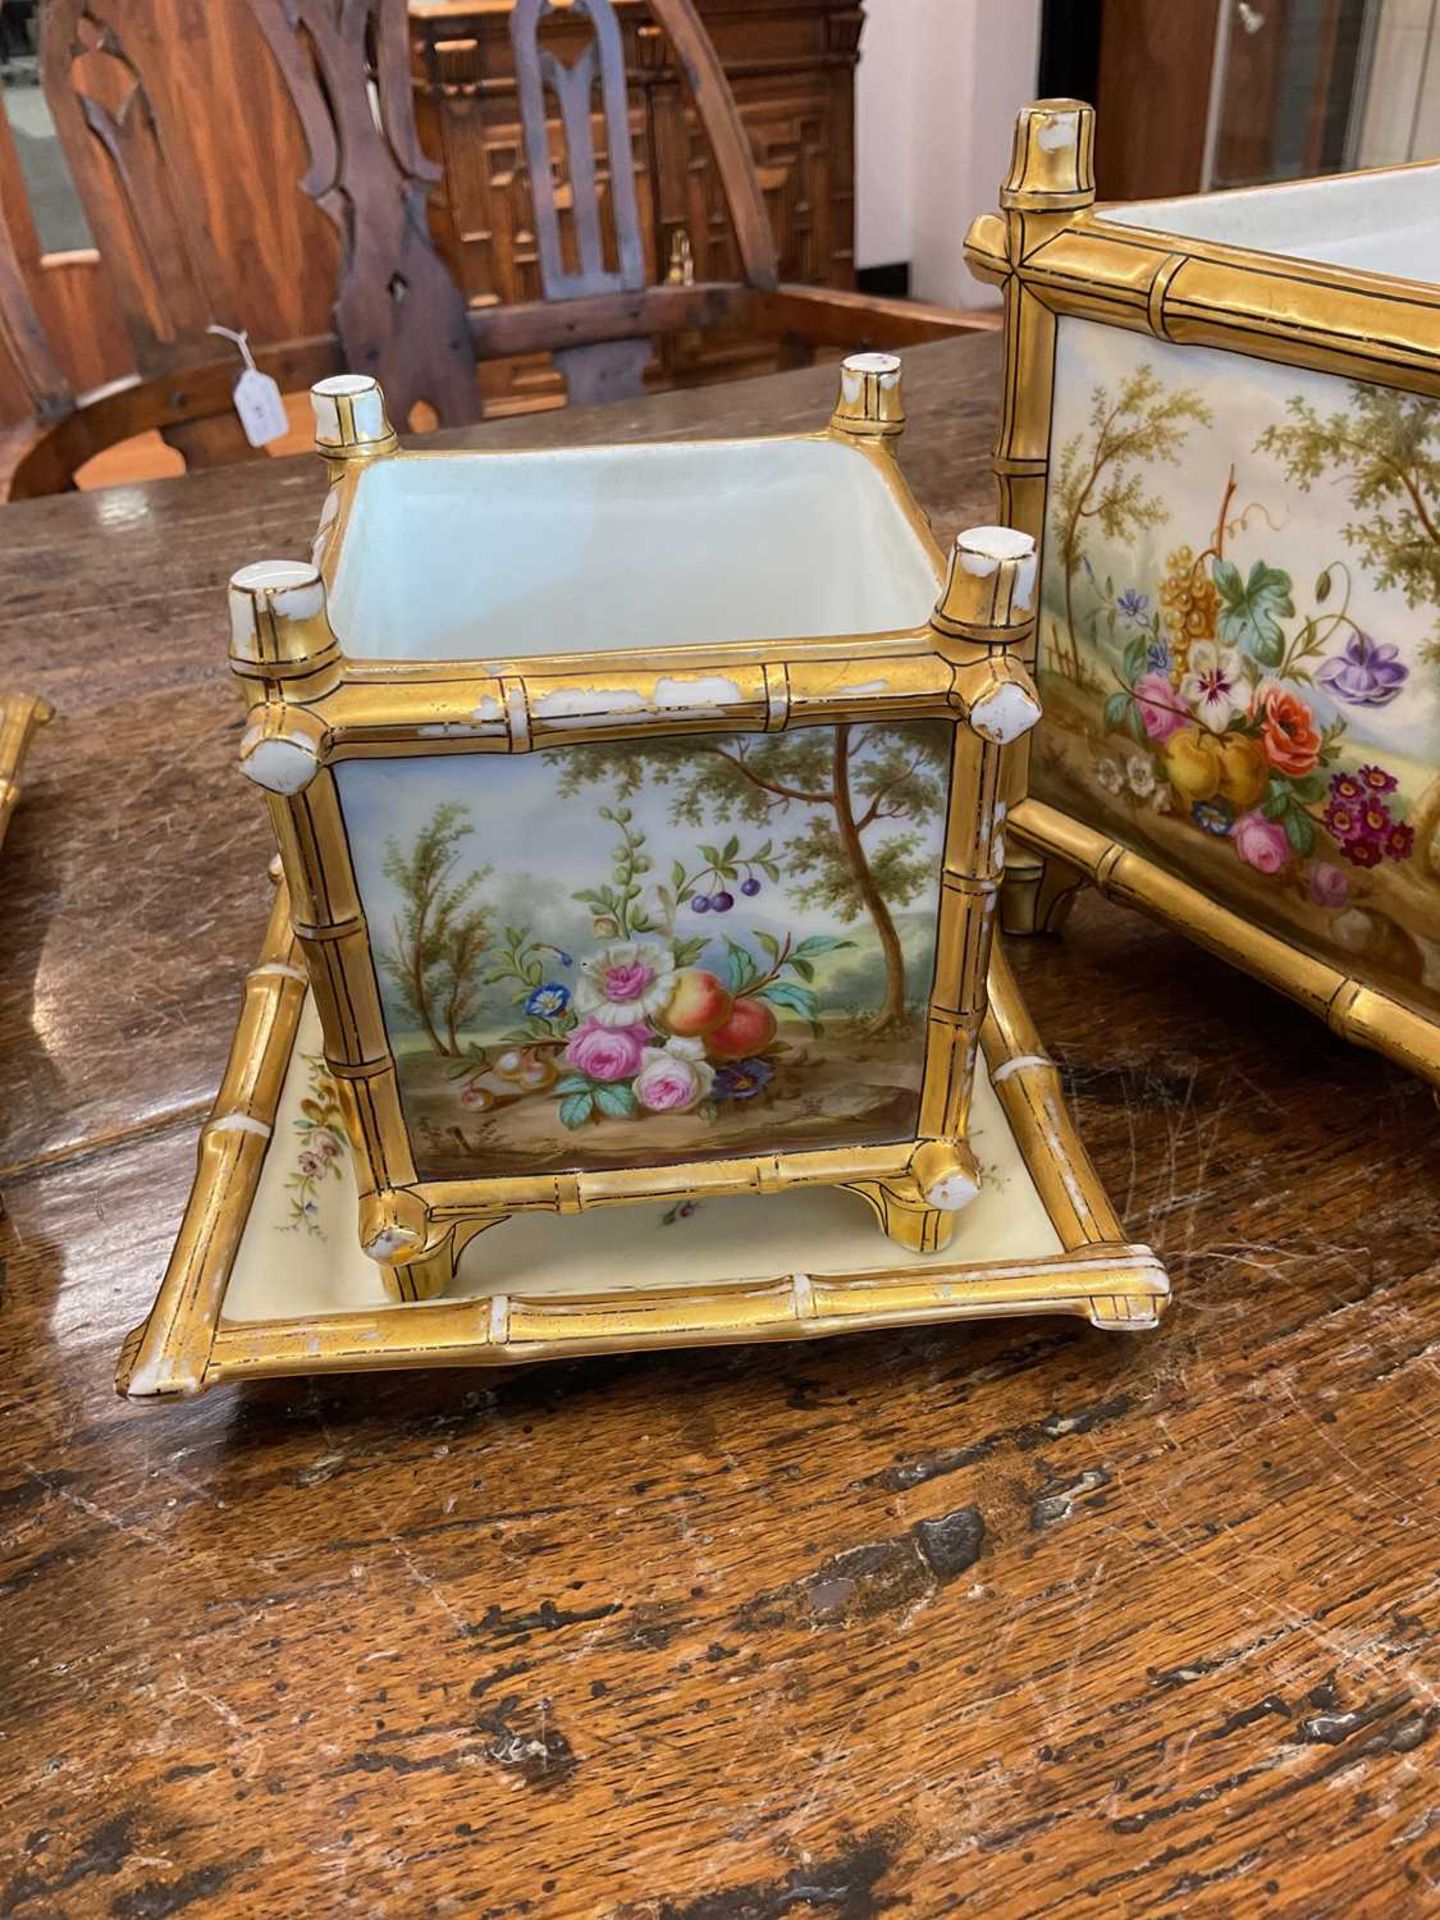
x=258, y=400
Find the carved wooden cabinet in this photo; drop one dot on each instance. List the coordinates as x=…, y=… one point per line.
x=792, y=66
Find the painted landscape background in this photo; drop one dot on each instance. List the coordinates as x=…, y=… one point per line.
x=671, y=950
x=1240, y=634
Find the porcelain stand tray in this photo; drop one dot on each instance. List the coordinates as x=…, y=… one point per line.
x=267, y=1276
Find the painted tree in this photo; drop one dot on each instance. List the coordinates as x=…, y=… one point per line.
x=842, y=787
x=1384, y=450
x=1099, y=478
x=440, y=935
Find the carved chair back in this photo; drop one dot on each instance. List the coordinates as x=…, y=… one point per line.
x=344, y=64
x=128, y=174
x=158, y=265
x=131, y=170
x=588, y=189
x=398, y=315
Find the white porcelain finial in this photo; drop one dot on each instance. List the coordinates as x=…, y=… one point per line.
x=870, y=403
x=991, y=581
x=281, y=589
x=350, y=416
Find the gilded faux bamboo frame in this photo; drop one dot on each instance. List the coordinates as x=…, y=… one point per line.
x=311, y=708
x=186, y=1345
x=1054, y=256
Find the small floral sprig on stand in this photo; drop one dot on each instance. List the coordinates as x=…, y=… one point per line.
x=320, y=1128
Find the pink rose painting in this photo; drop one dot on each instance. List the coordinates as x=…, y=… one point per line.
x=674, y=1079
x=606, y=1053
x=1162, y=711
x=1261, y=843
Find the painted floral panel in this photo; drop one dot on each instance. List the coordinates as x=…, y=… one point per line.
x=1240, y=639
x=657, y=951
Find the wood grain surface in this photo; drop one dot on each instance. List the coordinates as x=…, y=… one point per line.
x=1018, y=1620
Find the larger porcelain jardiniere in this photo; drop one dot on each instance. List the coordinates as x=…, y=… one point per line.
x=1221, y=421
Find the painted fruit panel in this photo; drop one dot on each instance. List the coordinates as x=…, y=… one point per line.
x=658, y=951
x=1240, y=639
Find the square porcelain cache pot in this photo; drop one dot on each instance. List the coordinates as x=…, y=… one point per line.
x=1221, y=423
x=640, y=813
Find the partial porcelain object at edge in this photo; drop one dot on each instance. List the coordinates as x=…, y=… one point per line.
x=1226, y=436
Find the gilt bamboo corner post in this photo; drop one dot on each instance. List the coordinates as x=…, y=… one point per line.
x=285, y=654
x=918, y=1209
x=982, y=625
x=1051, y=181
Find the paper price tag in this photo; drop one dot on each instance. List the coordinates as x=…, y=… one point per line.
x=260, y=407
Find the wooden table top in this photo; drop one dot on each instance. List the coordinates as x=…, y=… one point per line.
x=649, y=1638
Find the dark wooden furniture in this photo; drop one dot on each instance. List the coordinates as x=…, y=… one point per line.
x=1020, y=1618
x=274, y=251
x=397, y=314
x=791, y=66
x=179, y=170
x=1280, y=94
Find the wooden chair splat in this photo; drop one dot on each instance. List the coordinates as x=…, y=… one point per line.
x=614, y=369
x=22, y=332
x=600, y=370
x=128, y=177
x=573, y=86
x=398, y=313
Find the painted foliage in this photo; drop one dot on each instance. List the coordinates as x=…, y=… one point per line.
x=1240, y=640
x=657, y=951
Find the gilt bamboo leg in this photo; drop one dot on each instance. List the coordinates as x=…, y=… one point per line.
x=433, y=1273
x=905, y=1217
x=1038, y=893
x=426, y=1278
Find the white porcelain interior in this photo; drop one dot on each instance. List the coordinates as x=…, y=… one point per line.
x=1379, y=222
x=284, y=1273
x=480, y=556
